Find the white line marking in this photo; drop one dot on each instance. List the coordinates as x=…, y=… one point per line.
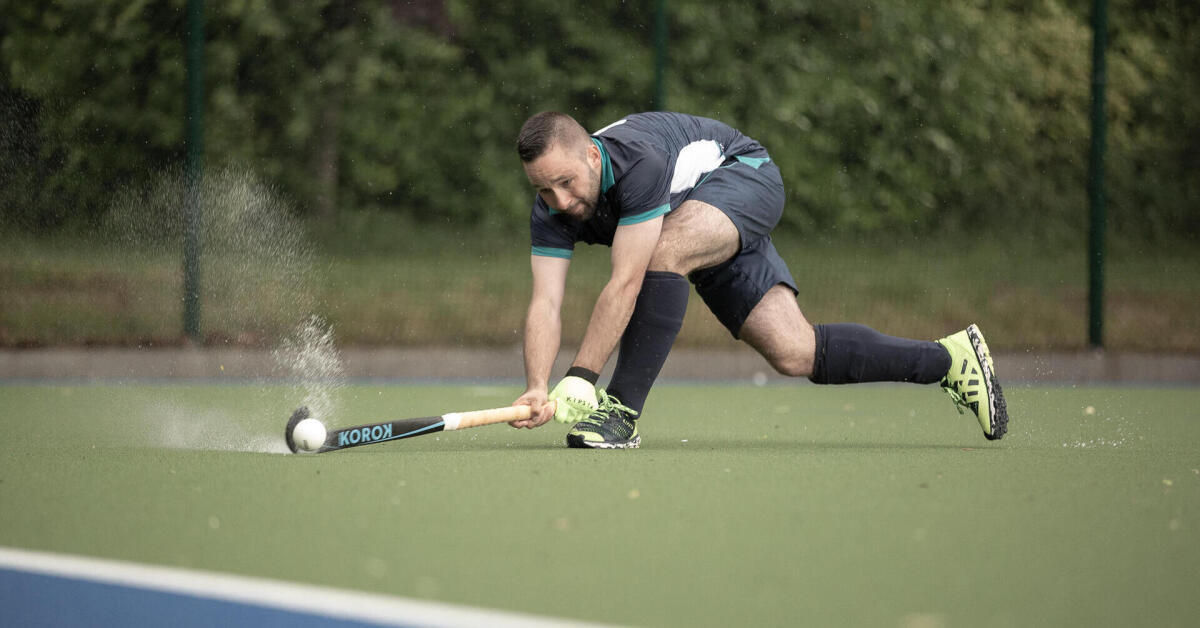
x=302, y=598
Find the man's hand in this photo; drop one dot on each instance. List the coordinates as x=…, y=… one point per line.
x=575, y=398
x=541, y=411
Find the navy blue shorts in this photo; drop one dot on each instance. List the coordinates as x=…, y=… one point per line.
x=749, y=190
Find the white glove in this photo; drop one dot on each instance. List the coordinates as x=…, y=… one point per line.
x=575, y=399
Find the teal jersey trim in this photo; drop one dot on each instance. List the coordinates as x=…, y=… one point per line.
x=606, y=174
x=753, y=162
x=546, y=251
x=644, y=216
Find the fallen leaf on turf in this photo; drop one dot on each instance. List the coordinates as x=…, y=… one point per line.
x=923, y=620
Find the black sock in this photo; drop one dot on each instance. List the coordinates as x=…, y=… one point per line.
x=652, y=328
x=849, y=354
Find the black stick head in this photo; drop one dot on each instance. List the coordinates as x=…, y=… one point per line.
x=299, y=415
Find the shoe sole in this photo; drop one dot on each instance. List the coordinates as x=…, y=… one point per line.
x=997, y=408
x=578, y=442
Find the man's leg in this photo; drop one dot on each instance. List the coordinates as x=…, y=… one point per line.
x=648, y=337
x=840, y=353
x=847, y=353
x=695, y=235
x=779, y=332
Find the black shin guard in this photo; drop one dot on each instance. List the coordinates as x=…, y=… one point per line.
x=647, y=340
x=848, y=353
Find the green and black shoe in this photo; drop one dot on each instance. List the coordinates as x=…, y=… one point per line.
x=972, y=382
x=611, y=426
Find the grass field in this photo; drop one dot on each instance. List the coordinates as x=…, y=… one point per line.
x=872, y=505
x=393, y=283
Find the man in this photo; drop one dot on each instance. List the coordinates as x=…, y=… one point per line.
x=681, y=198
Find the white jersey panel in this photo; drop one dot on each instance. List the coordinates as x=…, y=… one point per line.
x=694, y=161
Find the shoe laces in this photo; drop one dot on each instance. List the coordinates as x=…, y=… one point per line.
x=607, y=407
x=960, y=401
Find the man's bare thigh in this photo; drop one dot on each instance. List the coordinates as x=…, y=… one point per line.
x=695, y=235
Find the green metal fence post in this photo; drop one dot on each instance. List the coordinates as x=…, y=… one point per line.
x=660, y=55
x=1096, y=179
x=194, y=169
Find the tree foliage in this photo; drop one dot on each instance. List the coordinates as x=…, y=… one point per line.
x=884, y=117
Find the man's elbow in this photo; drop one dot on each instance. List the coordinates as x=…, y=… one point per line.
x=545, y=307
x=626, y=288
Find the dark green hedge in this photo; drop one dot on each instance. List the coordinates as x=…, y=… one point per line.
x=885, y=117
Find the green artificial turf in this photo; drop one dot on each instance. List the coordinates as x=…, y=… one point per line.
x=804, y=505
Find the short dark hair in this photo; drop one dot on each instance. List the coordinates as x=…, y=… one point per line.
x=543, y=130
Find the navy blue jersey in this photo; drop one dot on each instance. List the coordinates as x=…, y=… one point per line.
x=649, y=164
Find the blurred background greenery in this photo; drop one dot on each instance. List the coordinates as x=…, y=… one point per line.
x=384, y=126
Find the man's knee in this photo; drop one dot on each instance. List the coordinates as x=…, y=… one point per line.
x=792, y=364
x=781, y=334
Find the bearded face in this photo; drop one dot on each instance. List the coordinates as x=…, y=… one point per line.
x=568, y=180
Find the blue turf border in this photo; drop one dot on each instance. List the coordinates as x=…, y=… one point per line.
x=31, y=599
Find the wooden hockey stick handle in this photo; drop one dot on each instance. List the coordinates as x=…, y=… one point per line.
x=476, y=418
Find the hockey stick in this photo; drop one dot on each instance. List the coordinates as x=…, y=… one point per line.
x=385, y=431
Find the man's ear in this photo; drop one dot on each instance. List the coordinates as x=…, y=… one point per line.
x=593, y=155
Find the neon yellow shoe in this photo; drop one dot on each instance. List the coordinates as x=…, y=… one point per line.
x=972, y=382
x=611, y=426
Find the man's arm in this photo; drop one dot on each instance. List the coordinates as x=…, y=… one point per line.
x=632, y=248
x=543, y=333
